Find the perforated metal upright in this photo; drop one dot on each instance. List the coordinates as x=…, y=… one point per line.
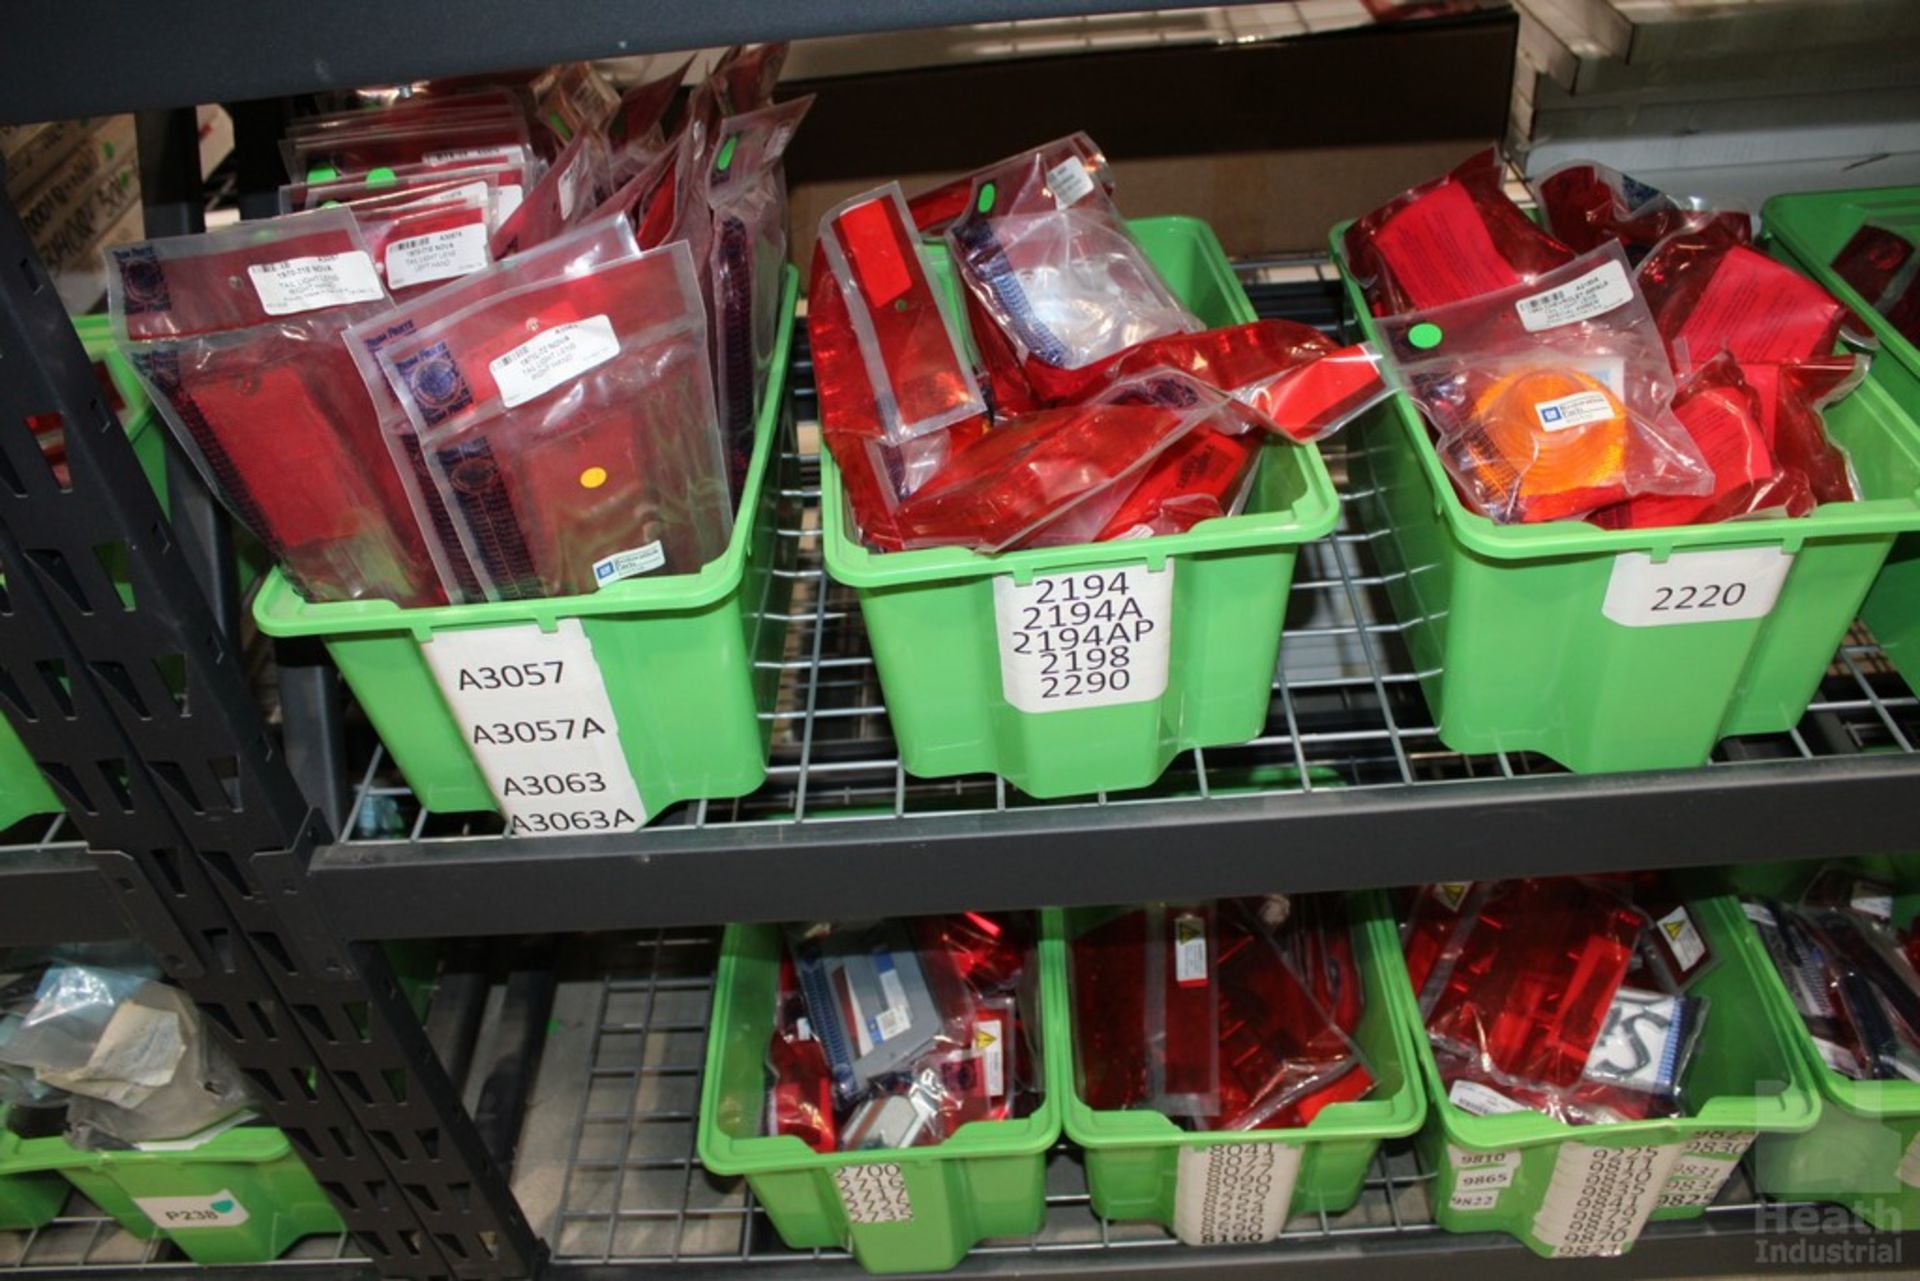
x=138, y=711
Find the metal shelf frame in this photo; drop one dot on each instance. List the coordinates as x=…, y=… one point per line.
x=191, y=832
x=1349, y=787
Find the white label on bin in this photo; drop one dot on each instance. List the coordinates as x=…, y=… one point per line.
x=874, y=1193
x=1600, y=1198
x=533, y=708
x=1090, y=638
x=1463, y=1199
x=1909, y=1168
x=1695, y=587
x=1703, y=1168
x=548, y=359
x=438, y=255
x=173, y=1213
x=1594, y=294
x=1234, y=1193
x=1873, y=904
x=1069, y=180
x=1482, y=1171
x=294, y=285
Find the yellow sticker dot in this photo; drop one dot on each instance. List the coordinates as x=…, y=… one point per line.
x=593, y=478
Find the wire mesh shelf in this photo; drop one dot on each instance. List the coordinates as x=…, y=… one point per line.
x=1346, y=707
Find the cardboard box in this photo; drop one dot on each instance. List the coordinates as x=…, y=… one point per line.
x=73, y=243
x=33, y=151
x=75, y=181
x=82, y=286
x=1272, y=143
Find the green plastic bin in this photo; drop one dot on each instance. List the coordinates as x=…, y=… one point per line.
x=1865, y=1151
x=930, y=614
x=23, y=790
x=29, y=1195
x=687, y=659
x=1808, y=230
x=244, y=1196
x=911, y=1210
x=1137, y=1161
x=1526, y=1174
x=1506, y=622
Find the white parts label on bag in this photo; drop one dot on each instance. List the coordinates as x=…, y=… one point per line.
x=553, y=356
x=1577, y=410
x=533, y=709
x=1704, y=1165
x=173, y=1213
x=294, y=285
x=1090, y=638
x=1695, y=587
x=1594, y=294
x=1069, y=180
x=1600, y=1198
x=874, y=1193
x=1234, y=1193
x=438, y=255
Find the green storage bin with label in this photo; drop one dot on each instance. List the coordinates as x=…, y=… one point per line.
x=1571, y=1191
x=1808, y=230
x=687, y=663
x=1140, y=1165
x=914, y=1209
x=23, y=790
x=1514, y=627
x=1865, y=1152
x=1213, y=598
x=243, y=1196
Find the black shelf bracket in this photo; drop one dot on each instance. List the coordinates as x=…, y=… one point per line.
x=129, y=694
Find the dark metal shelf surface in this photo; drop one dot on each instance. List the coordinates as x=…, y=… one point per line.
x=1349, y=786
x=90, y=57
x=51, y=890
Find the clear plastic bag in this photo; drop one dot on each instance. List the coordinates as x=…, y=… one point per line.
x=134, y=1055
x=1308, y=385
x=573, y=101
x=1586, y=204
x=1451, y=239
x=635, y=132
x=1057, y=477
x=510, y=180
x=427, y=238
x=1549, y=400
x=897, y=1034
x=493, y=136
x=236, y=336
x=744, y=77
x=916, y=363
x=573, y=254
x=1048, y=261
x=567, y=195
x=746, y=190
x=569, y=426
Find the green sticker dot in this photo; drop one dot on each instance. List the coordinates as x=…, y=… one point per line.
x=1425, y=336
x=322, y=174
x=984, y=203
x=725, y=158
x=382, y=177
